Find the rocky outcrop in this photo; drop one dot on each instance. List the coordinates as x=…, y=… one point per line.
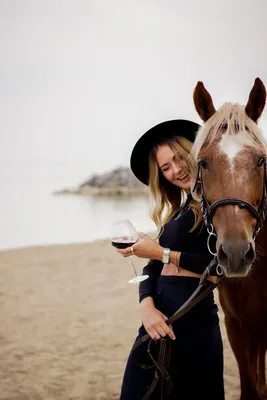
x=118, y=177
x=119, y=181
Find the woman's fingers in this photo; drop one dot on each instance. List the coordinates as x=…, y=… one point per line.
x=155, y=324
x=164, y=330
x=126, y=252
x=161, y=331
x=154, y=335
x=141, y=234
x=152, y=330
x=145, y=247
x=168, y=331
x=167, y=328
x=156, y=332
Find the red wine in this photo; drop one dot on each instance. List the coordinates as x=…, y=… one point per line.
x=121, y=243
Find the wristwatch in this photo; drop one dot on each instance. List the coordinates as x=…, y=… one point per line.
x=166, y=256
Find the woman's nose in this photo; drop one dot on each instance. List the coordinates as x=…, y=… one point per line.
x=177, y=168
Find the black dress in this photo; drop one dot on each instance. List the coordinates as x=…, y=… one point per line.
x=196, y=367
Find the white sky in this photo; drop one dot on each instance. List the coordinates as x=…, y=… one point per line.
x=81, y=80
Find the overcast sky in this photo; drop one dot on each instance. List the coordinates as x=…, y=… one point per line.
x=82, y=80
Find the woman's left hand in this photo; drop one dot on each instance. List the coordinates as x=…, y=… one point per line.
x=145, y=247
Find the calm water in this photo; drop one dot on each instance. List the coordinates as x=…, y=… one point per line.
x=31, y=215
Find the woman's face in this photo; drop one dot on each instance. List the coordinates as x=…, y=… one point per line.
x=174, y=169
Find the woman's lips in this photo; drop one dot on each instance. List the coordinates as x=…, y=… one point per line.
x=184, y=179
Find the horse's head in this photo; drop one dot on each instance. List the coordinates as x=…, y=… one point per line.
x=230, y=154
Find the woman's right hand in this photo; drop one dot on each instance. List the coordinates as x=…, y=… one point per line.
x=154, y=322
x=145, y=247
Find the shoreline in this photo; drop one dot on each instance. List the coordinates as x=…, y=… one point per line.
x=48, y=245
x=95, y=191
x=104, y=241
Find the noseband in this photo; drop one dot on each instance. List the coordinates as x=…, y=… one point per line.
x=208, y=209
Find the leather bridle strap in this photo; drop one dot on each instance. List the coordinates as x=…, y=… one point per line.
x=208, y=209
x=234, y=201
x=161, y=363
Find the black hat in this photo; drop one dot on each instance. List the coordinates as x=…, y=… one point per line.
x=140, y=155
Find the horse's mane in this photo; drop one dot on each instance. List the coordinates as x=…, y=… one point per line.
x=232, y=118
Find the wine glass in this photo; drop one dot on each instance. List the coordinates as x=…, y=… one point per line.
x=123, y=235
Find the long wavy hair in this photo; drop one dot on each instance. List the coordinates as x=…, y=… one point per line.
x=167, y=197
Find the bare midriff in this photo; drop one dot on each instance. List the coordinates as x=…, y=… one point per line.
x=170, y=270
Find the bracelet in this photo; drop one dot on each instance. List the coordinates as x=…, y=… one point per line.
x=175, y=262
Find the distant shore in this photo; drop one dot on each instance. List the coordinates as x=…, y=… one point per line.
x=108, y=191
x=117, y=182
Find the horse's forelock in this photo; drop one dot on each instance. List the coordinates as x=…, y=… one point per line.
x=230, y=119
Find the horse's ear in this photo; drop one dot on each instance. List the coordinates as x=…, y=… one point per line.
x=203, y=102
x=256, y=100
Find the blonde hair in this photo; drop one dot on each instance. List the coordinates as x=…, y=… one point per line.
x=168, y=198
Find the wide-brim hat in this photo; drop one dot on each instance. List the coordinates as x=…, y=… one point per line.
x=139, y=161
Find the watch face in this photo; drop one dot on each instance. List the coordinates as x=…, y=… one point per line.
x=165, y=256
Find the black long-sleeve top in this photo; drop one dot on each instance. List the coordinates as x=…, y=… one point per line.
x=176, y=235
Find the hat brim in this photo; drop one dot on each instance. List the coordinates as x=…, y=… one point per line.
x=139, y=161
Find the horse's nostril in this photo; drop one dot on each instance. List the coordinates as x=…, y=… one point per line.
x=250, y=254
x=222, y=256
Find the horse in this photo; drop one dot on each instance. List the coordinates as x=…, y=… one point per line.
x=229, y=156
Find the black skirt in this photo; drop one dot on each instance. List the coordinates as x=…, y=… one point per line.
x=196, y=366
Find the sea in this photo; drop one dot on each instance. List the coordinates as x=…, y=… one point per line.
x=32, y=215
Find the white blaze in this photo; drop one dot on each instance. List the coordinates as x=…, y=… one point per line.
x=231, y=145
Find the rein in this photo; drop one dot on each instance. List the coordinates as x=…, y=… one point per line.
x=162, y=361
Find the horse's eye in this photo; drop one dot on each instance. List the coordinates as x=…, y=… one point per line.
x=203, y=164
x=261, y=161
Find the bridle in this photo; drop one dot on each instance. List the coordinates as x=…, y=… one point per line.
x=208, y=209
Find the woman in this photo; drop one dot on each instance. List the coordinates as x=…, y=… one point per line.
x=160, y=159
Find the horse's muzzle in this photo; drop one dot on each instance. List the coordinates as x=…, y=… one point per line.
x=236, y=258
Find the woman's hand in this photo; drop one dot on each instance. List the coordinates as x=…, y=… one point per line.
x=154, y=322
x=213, y=279
x=145, y=247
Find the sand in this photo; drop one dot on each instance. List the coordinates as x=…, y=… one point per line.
x=68, y=318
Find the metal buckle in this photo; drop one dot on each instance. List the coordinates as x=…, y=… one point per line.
x=219, y=270
x=211, y=233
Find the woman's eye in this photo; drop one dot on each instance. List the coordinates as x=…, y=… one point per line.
x=203, y=164
x=165, y=169
x=261, y=162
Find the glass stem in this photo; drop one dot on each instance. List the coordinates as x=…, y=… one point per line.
x=133, y=265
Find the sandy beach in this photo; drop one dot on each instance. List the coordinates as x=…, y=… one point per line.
x=68, y=319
